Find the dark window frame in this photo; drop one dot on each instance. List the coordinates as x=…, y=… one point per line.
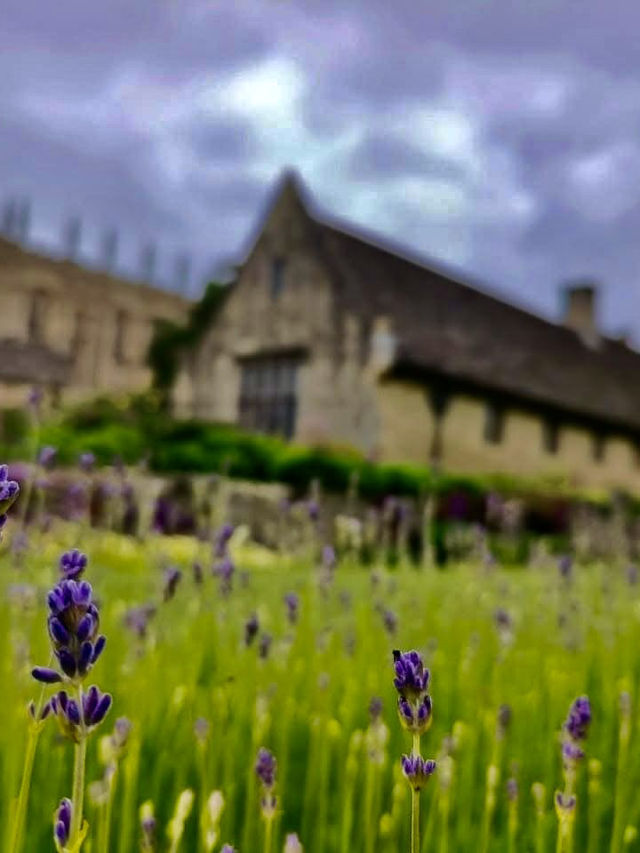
x=494, y=423
x=551, y=436
x=36, y=328
x=277, y=271
x=268, y=400
x=120, y=337
x=599, y=447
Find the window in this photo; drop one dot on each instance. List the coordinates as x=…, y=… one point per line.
x=277, y=277
x=598, y=447
x=493, y=424
x=37, y=316
x=79, y=333
x=268, y=397
x=550, y=436
x=119, y=340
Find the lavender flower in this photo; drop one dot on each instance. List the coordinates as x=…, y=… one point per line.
x=76, y=719
x=9, y=489
x=87, y=461
x=227, y=848
x=565, y=566
x=72, y=564
x=329, y=559
x=171, y=580
x=34, y=399
x=375, y=708
x=221, y=541
x=390, y=621
x=62, y=824
x=579, y=719
x=292, y=603
x=251, y=628
x=417, y=771
x=137, y=619
x=313, y=511
x=565, y=804
x=225, y=570
x=47, y=456
x=412, y=678
x=292, y=843
x=265, y=767
x=264, y=646
x=73, y=628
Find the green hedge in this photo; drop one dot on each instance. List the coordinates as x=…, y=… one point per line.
x=136, y=428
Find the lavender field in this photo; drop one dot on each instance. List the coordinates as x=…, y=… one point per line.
x=255, y=701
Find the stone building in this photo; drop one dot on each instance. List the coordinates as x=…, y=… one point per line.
x=328, y=336
x=71, y=331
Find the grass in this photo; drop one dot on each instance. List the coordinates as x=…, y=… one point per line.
x=308, y=700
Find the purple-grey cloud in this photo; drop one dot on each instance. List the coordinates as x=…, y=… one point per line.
x=497, y=136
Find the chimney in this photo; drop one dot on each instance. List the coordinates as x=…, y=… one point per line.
x=580, y=311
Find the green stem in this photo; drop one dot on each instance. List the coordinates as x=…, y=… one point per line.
x=268, y=832
x=17, y=833
x=415, y=821
x=77, y=796
x=369, y=827
x=415, y=804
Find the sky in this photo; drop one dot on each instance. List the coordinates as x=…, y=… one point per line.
x=499, y=137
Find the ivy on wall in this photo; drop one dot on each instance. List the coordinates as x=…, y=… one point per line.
x=171, y=340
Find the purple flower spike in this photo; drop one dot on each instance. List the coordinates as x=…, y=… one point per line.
x=74, y=620
x=227, y=848
x=72, y=564
x=292, y=603
x=265, y=767
x=86, y=461
x=417, y=771
x=577, y=724
x=45, y=675
x=412, y=679
x=251, y=628
x=47, y=456
x=9, y=489
x=62, y=823
x=221, y=541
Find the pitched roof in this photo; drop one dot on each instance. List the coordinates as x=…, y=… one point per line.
x=447, y=327
x=16, y=258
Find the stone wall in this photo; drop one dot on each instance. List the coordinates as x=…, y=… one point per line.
x=103, y=325
x=406, y=429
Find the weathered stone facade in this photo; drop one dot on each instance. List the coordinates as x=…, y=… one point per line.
x=74, y=332
x=380, y=368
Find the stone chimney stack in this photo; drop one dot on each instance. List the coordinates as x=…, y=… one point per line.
x=580, y=310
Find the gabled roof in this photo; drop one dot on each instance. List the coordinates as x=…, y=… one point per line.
x=447, y=327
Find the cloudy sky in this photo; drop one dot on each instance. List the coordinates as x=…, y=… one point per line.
x=501, y=137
